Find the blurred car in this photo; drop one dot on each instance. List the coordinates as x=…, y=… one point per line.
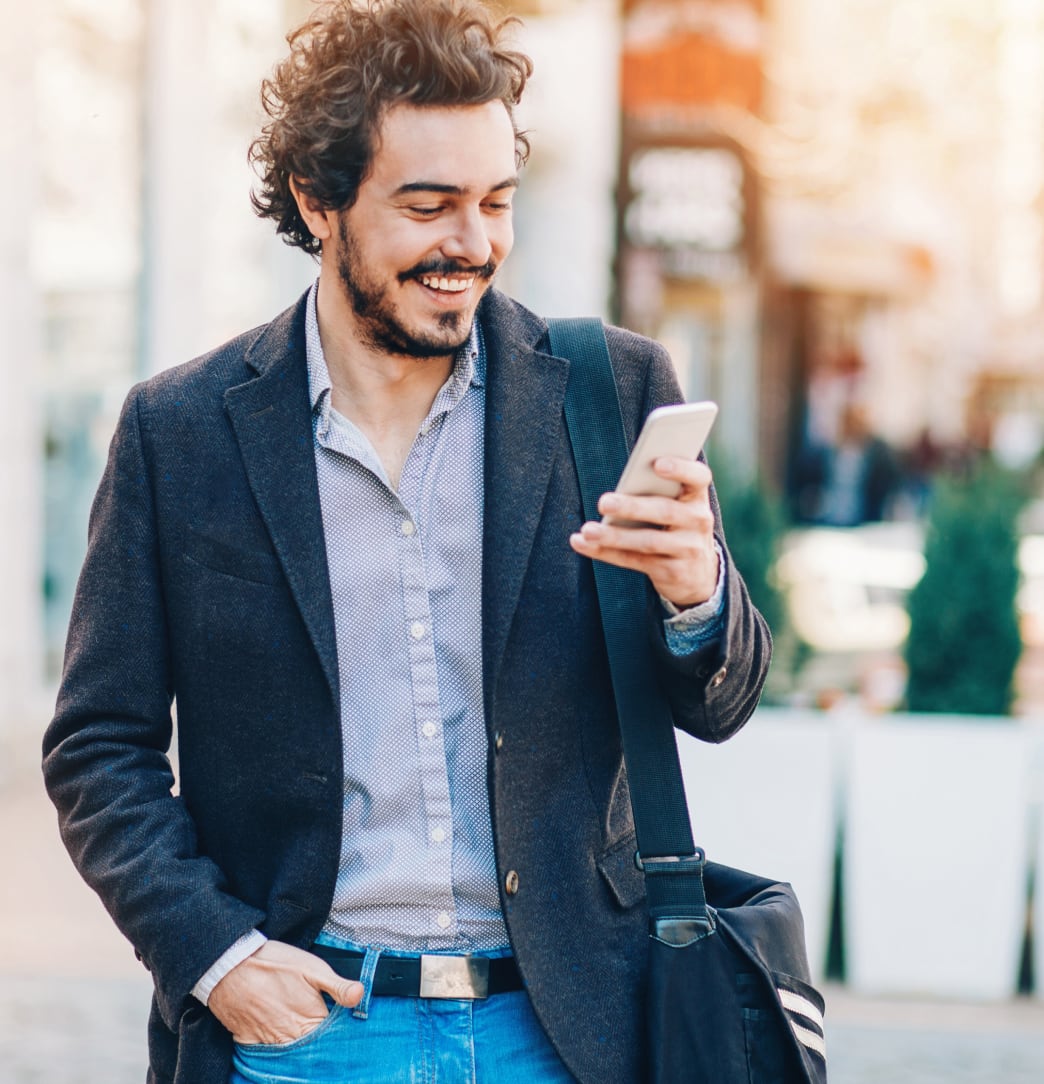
x=846, y=587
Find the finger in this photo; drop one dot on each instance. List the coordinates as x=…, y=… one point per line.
x=656, y=566
x=346, y=992
x=645, y=540
x=685, y=582
x=693, y=474
x=680, y=544
x=692, y=511
x=652, y=564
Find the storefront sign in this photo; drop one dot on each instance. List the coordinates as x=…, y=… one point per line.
x=686, y=196
x=680, y=54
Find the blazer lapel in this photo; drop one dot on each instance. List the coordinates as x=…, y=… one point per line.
x=525, y=389
x=271, y=417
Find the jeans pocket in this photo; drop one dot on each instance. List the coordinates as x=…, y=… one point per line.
x=254, y=1049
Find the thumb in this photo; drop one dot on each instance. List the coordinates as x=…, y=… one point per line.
x=345, y=992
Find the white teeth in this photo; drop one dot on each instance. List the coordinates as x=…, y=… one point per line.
x=454, y=286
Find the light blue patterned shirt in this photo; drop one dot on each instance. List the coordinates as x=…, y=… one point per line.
x=417, y=866
x=417, y=870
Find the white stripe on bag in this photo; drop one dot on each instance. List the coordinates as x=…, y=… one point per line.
x=810, y=1039
x=796, y=1003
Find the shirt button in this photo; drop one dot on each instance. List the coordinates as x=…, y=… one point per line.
x=417, y=630
x=498, y=741
x=438, y=835
x=511, y=882
x=408, y=527
x=443, y=920
x=428, y=730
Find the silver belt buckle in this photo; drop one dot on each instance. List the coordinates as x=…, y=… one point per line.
x=463, y=978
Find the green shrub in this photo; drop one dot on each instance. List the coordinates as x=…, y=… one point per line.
x=754, y=525
x=964, y=640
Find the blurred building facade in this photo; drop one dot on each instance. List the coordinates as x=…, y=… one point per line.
x=690, y=265
x=812, y=205
x=20, y=483
x=853, y=221
x=133, y=249
x=904, y=160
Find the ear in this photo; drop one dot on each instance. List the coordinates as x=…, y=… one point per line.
x=319, y=220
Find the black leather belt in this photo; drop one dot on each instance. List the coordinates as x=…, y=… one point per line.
x=454, y=977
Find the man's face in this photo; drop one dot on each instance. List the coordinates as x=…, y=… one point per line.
x=431, y=225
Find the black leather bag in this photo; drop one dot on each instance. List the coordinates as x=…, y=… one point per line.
x=728, y=996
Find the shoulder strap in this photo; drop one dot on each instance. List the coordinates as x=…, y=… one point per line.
x=672, y=865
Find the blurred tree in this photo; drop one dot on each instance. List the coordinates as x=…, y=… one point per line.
x=964, y=640
x=754, y=526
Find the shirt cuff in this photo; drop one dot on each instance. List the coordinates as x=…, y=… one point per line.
x=232, y=957
x=690, y=629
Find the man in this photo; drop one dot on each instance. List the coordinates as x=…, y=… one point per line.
x=349, y=544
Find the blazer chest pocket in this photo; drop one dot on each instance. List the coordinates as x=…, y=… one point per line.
x=255, y=566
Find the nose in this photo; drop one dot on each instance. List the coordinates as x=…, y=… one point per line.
x=469, y=241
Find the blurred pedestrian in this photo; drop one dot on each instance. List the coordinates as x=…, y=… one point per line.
x=860, y=476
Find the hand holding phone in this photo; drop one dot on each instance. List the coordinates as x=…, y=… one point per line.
x=677, y=431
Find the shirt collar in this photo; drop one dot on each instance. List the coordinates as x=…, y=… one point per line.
x=469, y=366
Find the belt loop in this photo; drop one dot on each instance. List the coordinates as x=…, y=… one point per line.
x=369, y=966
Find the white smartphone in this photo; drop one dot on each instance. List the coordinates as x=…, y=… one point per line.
x=679, y=431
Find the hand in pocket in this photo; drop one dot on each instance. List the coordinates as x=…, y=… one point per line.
x=276, y=995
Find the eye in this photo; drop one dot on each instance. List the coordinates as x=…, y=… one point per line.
x=425, y=212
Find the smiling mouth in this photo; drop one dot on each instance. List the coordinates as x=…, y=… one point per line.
x=444, y=284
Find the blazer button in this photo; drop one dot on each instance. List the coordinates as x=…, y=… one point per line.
x=719, y=677
x=511, y=882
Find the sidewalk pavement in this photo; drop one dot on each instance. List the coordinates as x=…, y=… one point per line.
x=902, y=1041
x=74, y=1002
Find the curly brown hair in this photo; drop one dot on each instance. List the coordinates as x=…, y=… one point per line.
x=349, y=64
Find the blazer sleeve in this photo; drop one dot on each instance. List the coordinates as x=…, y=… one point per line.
x=714, y=690
x=106, y=764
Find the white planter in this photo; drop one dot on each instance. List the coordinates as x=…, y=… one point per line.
x=1036, y=800
x=936, y=855
x=764, y=801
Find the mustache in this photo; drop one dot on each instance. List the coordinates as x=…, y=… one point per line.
x=449, y=269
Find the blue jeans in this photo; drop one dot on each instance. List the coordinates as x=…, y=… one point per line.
x=406, y=1040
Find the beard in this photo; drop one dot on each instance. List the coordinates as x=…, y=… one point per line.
x=380, y=324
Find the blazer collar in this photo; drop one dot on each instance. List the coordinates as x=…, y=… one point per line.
x=281, y=343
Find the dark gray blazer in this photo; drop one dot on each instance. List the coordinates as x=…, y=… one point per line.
x=206, y=580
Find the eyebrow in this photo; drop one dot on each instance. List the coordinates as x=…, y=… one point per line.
x=449, y=189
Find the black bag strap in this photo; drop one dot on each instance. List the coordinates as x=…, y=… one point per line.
x=672, y=864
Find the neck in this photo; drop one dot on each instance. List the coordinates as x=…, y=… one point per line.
x=372, y=386
x=386, y=395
